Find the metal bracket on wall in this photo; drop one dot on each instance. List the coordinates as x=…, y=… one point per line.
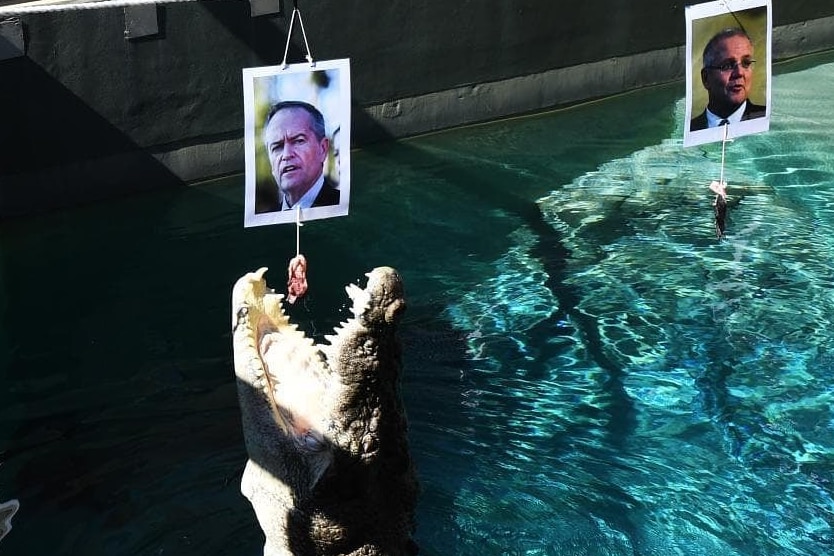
x=266, y=7
x=141, y=21
x=11, y=39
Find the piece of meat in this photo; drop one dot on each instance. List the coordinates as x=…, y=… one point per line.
x=720, y=215
x=720, y=205
x=297, y=278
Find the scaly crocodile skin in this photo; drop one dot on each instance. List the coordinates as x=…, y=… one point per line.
x=329, y=470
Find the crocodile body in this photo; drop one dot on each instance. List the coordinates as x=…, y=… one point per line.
x=329, y=469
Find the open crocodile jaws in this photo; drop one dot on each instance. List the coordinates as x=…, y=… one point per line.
x=329, y=470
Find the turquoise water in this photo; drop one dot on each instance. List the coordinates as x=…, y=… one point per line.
x=588, y=370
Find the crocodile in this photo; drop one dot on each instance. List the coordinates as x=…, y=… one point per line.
x=329, y=469
x=7, y=511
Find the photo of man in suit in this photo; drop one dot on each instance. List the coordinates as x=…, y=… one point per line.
x=297, y=147
x=727, y=76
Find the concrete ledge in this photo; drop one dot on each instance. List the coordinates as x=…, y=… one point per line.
x=806, y=37
x=81, y=182
x=112, y=175
x=11, y=39
x=487, y=101
x=518, y=95
x=204, y=161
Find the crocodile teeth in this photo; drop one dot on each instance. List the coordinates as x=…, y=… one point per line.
x=361, y=298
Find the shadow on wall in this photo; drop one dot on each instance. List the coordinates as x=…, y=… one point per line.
x=55, y=151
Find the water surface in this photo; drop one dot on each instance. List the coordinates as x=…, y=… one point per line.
x=588, y=370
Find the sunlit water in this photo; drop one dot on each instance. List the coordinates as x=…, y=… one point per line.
x=589, y=371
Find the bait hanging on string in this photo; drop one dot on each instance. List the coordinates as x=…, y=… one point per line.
x=296, y=278
x=297, y=269
x=720, y=190
x=720, y=206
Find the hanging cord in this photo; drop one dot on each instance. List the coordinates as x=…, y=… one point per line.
x=297, y=270
x=309, y=55
x=726, y=5
x=724, y=142
x=298, y=225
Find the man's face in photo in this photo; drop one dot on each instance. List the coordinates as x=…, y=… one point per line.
x=296, y=155
x=726, y=79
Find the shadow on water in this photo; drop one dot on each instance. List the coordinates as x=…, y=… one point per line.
x=120, y=392
x=120, y=420
x=120, y=426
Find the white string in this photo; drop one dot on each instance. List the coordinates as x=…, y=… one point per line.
x=724, y=150
x=309, y=56
x=298, y=225
x=289, y=36
x=38, y=8
x=304, y=34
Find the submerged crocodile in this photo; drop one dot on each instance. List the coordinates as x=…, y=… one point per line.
x=329, y=470
x=7, y=511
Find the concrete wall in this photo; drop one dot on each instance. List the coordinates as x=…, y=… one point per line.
x=89, y=113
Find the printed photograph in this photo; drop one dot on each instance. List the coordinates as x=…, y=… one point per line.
x=728, y=74
x=297, y=142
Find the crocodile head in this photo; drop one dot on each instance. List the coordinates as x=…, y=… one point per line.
x=329, y=469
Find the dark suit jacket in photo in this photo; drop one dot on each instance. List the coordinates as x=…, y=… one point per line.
x=328, y=196
x=750, y=111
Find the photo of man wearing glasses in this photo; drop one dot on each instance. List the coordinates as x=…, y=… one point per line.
x=727, y=76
